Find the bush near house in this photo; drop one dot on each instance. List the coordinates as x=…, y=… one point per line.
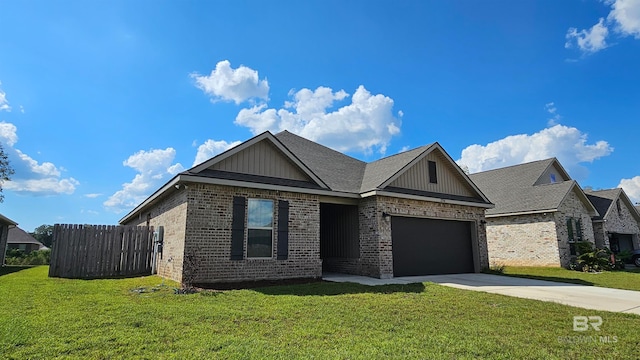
x=18, y=257
x=592, y=259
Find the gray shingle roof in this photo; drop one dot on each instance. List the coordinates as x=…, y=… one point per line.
x=339, y=171
x=512, y=188
x=19, y=236
x=6, y=221
x=602, y=200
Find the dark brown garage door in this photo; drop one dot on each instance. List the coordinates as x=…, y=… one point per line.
x=431, y=246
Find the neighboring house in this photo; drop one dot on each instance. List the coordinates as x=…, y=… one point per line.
x=21, y=240
x=539, y=215
x=5, y=225
x=281, y=206
x=618, y=225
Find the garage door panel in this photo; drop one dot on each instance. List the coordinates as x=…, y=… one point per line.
x=431, y=246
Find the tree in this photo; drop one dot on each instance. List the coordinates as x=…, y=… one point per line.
x=44, y=234
x=5, y=170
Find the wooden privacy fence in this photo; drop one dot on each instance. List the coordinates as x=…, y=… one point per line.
x=101, y=251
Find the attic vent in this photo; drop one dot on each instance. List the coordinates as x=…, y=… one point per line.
x=433, y=175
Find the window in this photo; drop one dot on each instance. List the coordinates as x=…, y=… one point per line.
x=619, y=208
x=552, y=177
x=433, y=175
x=572, y=240
x=260, y=228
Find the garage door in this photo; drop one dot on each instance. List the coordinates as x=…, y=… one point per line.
x=431, y=246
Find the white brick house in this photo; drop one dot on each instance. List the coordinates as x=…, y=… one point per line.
x=280, y=206
x=618, y=225
x=540, y=213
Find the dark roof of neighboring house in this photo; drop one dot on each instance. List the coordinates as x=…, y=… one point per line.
x=603, y=200
x=5, y=220
x=19, y=236
x=512, y=188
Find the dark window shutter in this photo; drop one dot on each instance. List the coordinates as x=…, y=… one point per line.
x=237, y=228
x=579, y=229
x=283, y=230
x=433, y=175
x=570, y=228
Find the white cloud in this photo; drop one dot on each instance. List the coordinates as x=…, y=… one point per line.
x=152, y=166
x=631, y=187
x=588, y=41
x=4, y=103
x=31, y=176
x=228, y=84
x=366, y=123
x=8, y=133
x=624, y=18
x=45, y=186
x=625, y=14
x=211, y=148
x=553, y=111
x=92, y=196
x=568, y=144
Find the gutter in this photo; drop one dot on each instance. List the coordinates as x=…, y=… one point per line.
x=522, y=213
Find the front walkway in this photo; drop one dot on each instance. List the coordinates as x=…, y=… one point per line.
x=587, y=297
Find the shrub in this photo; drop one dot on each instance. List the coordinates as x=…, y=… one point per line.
x=18, y=257
x=592, y=259
x=495, y=268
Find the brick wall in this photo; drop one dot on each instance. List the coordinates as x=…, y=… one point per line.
x=208, y=236
x=171, y=213
x=524, y=240
x=537, y=239
x=600, y=234
x=426, y=209
x=571, y=207
x=621, y=222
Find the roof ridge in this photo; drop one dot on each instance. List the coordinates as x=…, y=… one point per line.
x=318, y=144
x=515, y=165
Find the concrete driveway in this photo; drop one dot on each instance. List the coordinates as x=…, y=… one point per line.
x=587, y=297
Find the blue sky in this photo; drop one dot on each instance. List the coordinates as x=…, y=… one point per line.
x=102, y=102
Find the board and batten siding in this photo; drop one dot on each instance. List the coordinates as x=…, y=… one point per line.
x=262, y=159
x=449, y=180
x=545, y=178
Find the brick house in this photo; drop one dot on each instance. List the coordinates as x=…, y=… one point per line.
x=5, y=225
x=281, y=206
x=540, y=213
x=618, y=225
x=21, y=240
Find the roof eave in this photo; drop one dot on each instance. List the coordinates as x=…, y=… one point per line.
x=426, y=198
x=532, y=212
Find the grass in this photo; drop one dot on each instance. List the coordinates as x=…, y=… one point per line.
x=628, y=279
x=141, y=318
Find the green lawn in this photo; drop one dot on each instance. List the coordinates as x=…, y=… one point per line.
x=628, y=279
x=100, y=319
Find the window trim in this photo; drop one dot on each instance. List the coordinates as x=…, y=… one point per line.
x=433, y=172
x=273, y=214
